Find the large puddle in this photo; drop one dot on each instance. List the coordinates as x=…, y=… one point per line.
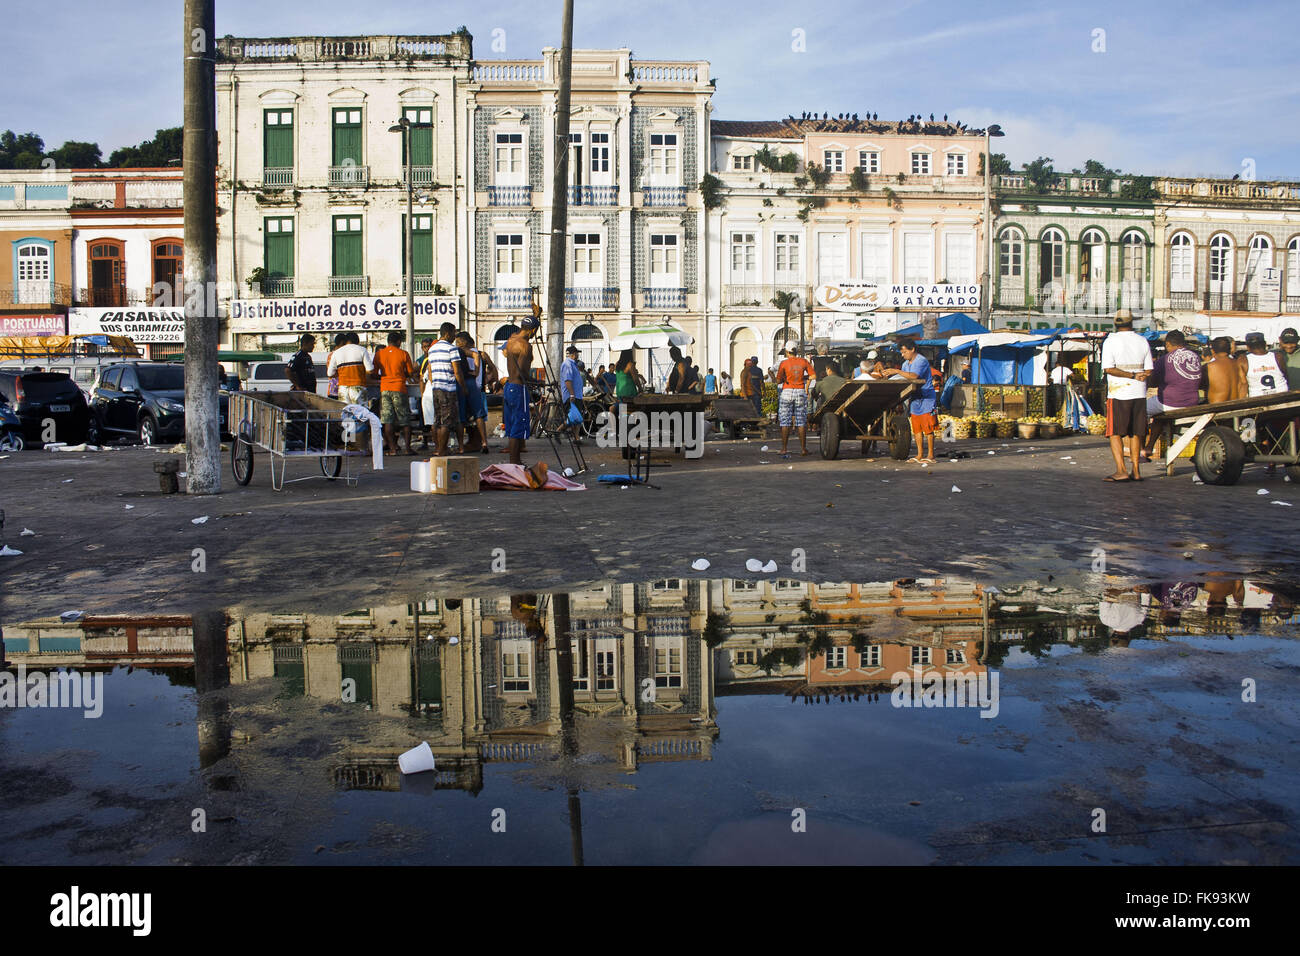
x=680, y=720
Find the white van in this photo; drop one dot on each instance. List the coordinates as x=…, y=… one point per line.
x=82, y=369
x=271, y=376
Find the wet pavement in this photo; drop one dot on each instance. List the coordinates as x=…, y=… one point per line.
x=733, y=720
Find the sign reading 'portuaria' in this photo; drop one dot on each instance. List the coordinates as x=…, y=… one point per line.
x=339, y=313
x=22, y=325
x=853, y=295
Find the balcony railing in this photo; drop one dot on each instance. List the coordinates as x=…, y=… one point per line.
x=743, y=296
x=423, y=285
x=114, y=297
x=420, y=175
x=36, y=293
x=349, y=285
x=277, y=176
x=316, y=49
x=1293, y=303
x=578, y=297
x=664, y=298
x=1011, y=296
x=1184, y=300
x=349, y=175
x=277, y=287
x=593, y=195
x=510, y=297
x=664, y=195
x=510, y=195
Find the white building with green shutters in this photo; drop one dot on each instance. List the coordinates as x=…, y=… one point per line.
x=312, y=188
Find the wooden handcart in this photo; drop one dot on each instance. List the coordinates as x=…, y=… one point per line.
x=867, y=410
x=1261, y=429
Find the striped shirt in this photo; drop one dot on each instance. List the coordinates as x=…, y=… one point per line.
x=437, y=370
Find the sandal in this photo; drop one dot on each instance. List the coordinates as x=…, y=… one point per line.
x=1117, y=480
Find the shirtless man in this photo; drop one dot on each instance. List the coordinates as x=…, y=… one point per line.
x=519, y=365
x=1221, y=373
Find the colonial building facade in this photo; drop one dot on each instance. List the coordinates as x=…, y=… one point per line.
x=882, y=202
x=638, y=146
x=312, y=187
x=1071, y=255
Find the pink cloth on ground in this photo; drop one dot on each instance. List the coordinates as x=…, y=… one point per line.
x=513, y=477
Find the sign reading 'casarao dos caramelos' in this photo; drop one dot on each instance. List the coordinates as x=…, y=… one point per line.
x=853, y=295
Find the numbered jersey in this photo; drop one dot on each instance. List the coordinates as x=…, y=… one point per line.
x=1263, y=375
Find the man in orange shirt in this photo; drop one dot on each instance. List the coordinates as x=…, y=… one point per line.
x=792, y=408
x=395, y=371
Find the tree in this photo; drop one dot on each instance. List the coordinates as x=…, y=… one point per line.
x=1040, y=174
x=999, y=165
x=1097, y=170
x=162, y=150
x=20, y=151
x=75, y=154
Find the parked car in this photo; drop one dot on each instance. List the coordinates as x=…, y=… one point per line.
x=145, y=400
x=82, y=369
x=11, y=430
x=39, y=397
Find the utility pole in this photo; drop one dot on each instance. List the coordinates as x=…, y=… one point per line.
x=202, y=431
x=560, y=200
x=403, y=126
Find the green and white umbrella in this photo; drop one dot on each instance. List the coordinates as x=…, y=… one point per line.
x=651, y=337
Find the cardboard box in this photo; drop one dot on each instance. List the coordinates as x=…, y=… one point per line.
x=454, y=475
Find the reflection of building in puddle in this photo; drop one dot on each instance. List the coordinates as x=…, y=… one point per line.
x=843, y=639
x=486, y=684
x=102, y=642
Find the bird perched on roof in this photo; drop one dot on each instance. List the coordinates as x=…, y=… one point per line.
x=931, y=117
x=825, y=115
x=945, y=117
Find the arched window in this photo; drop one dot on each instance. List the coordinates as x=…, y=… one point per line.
x=1133, y=269
x=783, y=337
x=107, y=275
x=1258, y=259
x=168, y=272
x=1182, y=264
x=589, y=340
x=1293, y=273
x=1220, y=272
x=1051, y=261
x=1011, y=254
x=1092, y=266
x=35, y=268
x=504, y=332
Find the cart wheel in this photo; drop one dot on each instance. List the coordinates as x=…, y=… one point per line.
x=241, y=461
x=331, y=466
x=830, y=436
x=1219, y=456
x=900, y=437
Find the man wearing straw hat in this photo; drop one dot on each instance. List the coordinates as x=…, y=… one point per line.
x=1126, y=359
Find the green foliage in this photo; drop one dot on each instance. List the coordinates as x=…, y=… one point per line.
x=901, y=178
x=782, y=300
x=819, y=175
x=777, y=162
x=780, y=657
x=999, y=165
x=256, y=278
x=770, y=398
x=717, y=628
x=77, y=155
x=858, y=180
x=21, y=151
x=1040, y=175
x=159, y=151
x=711, y=190
x=801, y=182
x=766, y=201
x=892, y=198
x=1141, y=188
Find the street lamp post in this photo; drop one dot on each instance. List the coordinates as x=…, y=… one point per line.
x=403, y=126
x=986, y=309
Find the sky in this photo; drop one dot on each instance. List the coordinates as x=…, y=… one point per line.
x=1153, y=86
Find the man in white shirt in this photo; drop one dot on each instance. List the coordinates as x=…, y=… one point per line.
x=1126, y=359
x=352, y=365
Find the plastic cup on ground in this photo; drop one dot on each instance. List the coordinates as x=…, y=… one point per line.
x=417, y=759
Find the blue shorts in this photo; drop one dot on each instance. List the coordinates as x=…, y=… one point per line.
x=514, y=411
x=473, y=406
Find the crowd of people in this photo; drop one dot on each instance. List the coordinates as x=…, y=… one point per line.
x=1180, y=375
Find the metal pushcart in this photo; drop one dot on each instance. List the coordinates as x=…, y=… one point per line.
x=290, y=425
x=868, y=410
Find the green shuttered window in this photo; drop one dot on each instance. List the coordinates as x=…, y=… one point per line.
x=421, y=245
x=347, y=246
x=277, y=247
x=277, y=139
x=347, y=137
x=421, y=119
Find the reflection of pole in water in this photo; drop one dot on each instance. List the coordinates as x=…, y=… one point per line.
x=568, y=727
x=211, y=675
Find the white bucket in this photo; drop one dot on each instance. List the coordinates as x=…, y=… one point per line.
x=417, y=759
x=422, y=476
